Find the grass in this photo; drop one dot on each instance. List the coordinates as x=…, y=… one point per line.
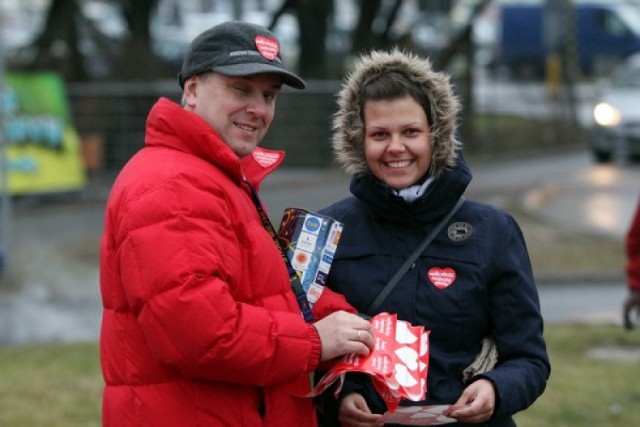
x=60, y=385
x=54, y=385
x=584, y=391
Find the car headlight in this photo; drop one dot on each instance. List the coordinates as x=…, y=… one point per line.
x=606, y=114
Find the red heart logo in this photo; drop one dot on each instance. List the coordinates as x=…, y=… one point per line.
x=265, y=159
x=442, y=277
x=267, y=47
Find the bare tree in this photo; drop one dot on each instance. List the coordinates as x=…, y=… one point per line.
x=147, y=65
x=367, y=35
x=461, y=44
x=72, y=45
x=363, y=37
x=57, y=46
x=312, y=29
x=375, y=24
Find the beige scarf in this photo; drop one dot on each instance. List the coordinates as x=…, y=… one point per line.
x=485, y=360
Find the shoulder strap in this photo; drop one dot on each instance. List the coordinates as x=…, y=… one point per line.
x=414, y=255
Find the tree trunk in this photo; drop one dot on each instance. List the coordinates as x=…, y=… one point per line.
x=312, y=21
x=363, y=37
x=312, y=29
x=147, y=64
x=56, y=48
x=462, y=44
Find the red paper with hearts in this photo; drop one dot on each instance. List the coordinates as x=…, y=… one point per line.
x=398, y=364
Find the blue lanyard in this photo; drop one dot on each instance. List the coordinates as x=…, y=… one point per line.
x=294, y=276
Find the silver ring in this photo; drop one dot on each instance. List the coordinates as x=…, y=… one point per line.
x=358, y=336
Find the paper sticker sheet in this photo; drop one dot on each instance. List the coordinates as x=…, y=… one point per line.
x=418, y=416
x=398, y=364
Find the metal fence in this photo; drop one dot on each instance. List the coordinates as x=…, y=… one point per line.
x=110, y=119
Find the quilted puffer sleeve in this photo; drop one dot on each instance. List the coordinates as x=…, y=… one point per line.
x=207, y=286
x=329, y=302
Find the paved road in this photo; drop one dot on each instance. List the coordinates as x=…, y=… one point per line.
x=55, y=253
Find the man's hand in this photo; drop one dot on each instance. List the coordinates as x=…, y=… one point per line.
x=344, y=333
x=631, y=309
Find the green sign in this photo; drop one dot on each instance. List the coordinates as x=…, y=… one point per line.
x=43, y=148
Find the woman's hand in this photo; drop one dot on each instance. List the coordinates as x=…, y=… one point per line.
x=354, y=412
x=476, y=405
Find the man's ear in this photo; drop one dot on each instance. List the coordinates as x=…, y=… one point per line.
x=189, y=93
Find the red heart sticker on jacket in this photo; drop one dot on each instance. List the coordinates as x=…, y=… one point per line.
x=264, y=158
x=267, y=47
x=441, y=277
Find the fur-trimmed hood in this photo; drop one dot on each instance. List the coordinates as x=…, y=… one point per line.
x=348, y=126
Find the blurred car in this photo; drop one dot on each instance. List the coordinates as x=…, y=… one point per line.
x=616, y=131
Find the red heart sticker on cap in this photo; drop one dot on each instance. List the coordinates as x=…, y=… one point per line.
x=441, y=277
x=267, y=47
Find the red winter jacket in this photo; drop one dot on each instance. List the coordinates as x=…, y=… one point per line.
x=633, y=252
x=200, y=327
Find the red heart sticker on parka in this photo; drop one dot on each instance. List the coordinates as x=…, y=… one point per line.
x=441, y=277
x=267, y=47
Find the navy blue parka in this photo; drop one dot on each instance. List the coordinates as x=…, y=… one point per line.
x=492, y=294
x=473, y=281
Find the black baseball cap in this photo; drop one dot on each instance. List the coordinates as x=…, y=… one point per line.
x=236, y=48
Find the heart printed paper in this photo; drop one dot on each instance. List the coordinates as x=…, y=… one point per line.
x=398, y=364
x=418, y=416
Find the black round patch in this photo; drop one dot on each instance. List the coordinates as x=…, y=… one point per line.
x=459, y=231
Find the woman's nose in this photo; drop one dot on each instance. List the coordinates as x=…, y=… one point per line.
x=396, y=143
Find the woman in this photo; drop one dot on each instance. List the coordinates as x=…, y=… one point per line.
x=395, y=133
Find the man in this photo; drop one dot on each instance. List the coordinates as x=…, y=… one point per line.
x=200, y=325
x=631, y=305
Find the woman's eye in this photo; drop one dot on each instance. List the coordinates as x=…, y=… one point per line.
x=411, y=131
